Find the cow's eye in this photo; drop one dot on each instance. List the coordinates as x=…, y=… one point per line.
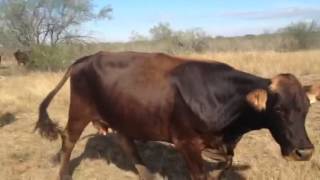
x=281, y=111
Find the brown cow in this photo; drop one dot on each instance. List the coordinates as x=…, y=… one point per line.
x=1, y=58
x=193, y=105
x=22, y=57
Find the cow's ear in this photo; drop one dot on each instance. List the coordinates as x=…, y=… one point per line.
x=258, y=99
x=313, y=92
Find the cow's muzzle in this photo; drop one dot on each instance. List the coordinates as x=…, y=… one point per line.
x=300, y=154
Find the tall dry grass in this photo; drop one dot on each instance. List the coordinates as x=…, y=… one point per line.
x=269, y=63
x=24, y=155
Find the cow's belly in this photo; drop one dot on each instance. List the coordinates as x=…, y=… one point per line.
x=137, y=100
x=140, y=112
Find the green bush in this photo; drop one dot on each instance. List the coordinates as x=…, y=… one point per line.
x=165, y=39
x=193, y=40
x=53, y=58
x=301, y=35
x=49, y=58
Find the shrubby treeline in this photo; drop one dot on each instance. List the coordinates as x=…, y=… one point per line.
x=49, y=29
x=162, y=38
x=296, y=36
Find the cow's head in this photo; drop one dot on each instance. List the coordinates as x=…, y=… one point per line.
x=215, y=94
x=286, y=107
x=16, y=53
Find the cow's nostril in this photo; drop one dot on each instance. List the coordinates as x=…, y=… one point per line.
x=298, y=152
x=304, y=154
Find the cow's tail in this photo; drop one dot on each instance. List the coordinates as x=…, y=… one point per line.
x=47, y=128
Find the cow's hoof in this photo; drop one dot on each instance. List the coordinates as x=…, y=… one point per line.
x=146, y=176
x=144, y=173
x=65, y=177
x=215, y=175
x=55, y=160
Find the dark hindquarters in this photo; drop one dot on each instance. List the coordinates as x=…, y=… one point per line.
x=81, y=112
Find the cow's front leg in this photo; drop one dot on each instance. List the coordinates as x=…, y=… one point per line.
x=229, y=148
x=222, y=154
x=191, y=151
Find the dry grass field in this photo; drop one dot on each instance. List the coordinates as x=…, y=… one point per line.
x=25, y=155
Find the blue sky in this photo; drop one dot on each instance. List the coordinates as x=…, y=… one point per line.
x=216, y=17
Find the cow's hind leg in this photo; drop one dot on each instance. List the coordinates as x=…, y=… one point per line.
x=79, y=117
x=131, y=151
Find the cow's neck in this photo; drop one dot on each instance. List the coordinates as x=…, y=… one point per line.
x=248, y=121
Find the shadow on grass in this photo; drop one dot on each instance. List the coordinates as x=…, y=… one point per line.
x=159, y=158
x=7, y=119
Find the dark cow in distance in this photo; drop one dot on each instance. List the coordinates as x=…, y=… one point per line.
x=1, y=58
x=193, y=105
x=22, y=57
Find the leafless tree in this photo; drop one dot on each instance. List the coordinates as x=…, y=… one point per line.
x=47, y=21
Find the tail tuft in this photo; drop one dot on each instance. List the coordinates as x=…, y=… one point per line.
x=47, y=128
